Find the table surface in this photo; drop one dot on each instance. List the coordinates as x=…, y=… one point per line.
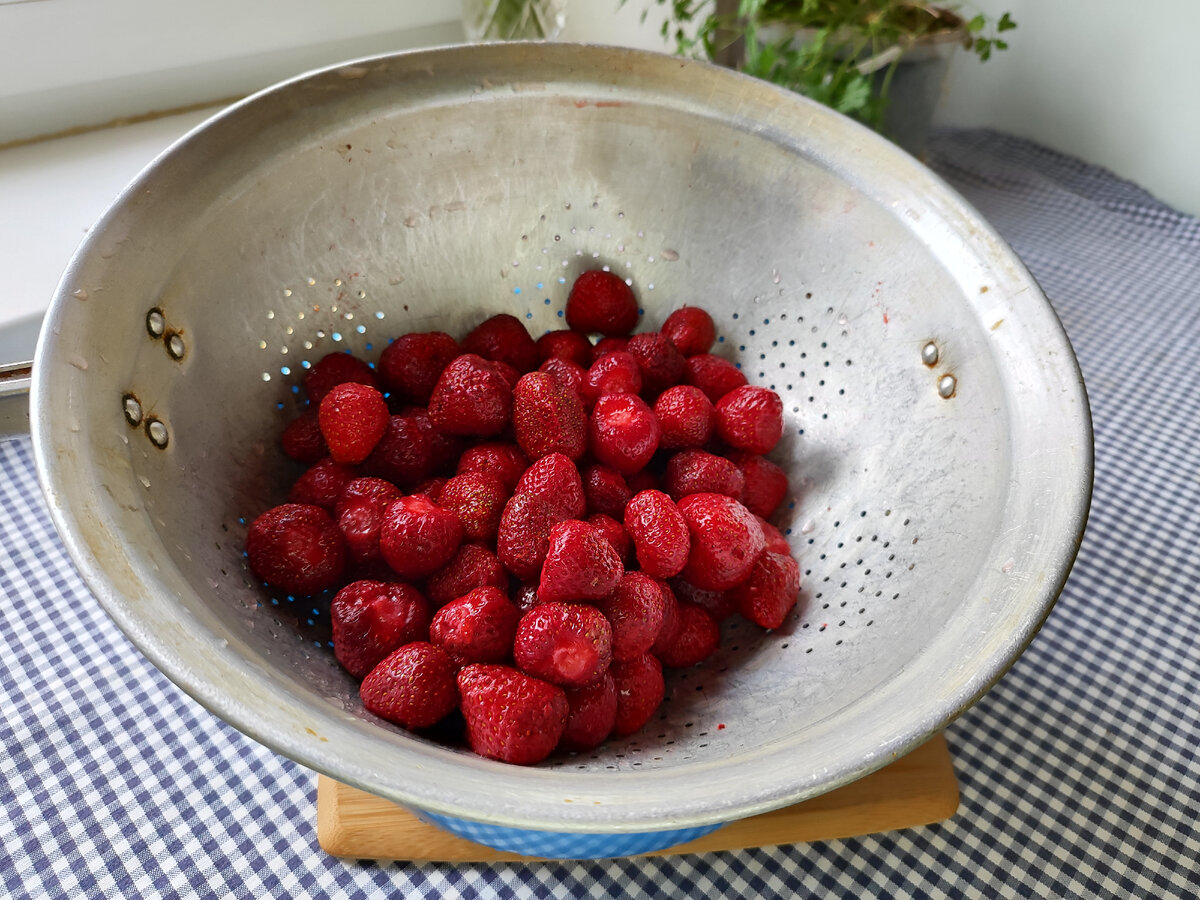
x=1079, y=770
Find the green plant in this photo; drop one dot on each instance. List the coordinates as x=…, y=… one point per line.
x=849, y=51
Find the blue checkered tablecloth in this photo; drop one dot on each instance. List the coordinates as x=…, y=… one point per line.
x=1079, y=770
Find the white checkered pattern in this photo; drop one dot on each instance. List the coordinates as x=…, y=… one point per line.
x=1079, y=771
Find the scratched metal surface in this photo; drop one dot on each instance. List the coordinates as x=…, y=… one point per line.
x=937, y=432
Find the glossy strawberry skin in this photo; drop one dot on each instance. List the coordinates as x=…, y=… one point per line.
x=593, y=713
x=548, y=417
x=701, y=472
x=770, y=592
x=687, y=417
x=623, y=432
x=334, y=369
x=504, y=460
x=472, y=566
x=302, y=439
x=566, y=344
x=511, y=716
x=321, y=484
x=353, y=417
x=410, y=366
x=405, y=454
x=555, y=479
x=297, y=548
x=477, y=627
x=505, y=339
x=764, y=484
x=418, y=537
x=635, y=610
x=414, y=686
x=472, y=398
x=601, y=302
x=690, y=329
x=661, y=364
x=359, y=514
x=568, y=644
x=613, y=373
x=660, y=534
x=371, y=619
x=750, y=418
x=524, y=535
x=640, y=691
x=714, y=375
x=478, y=498
x=580, y=564
x=726, y=541
x=696, y=638
x=606, y=491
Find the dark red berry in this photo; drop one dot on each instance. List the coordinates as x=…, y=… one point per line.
x=371, y=619
x=471, y=398
x=690, y=329
x=414, y=687
x=417, y=537
x=410, y=366
x=623, y=432
x=659, y=532
x=601, y=302
x=750, y=418
x=297, y=548
x=714, y=375
x=505, y=339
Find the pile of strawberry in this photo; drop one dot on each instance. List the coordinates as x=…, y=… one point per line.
x=528, y=531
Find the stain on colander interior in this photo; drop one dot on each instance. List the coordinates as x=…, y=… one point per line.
x=937, y=494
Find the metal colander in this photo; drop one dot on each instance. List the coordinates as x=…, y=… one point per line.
x=937, y=432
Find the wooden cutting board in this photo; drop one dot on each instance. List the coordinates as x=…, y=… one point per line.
x=917, y=789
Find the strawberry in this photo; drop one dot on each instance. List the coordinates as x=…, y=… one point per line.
x=593, y=712
x=302, y=439
x=720, y=604
x=476, y=627
x=640, y=690
x=672, y=623
x=700, y=472
x=691, y=330
x=511, y=716
x=623, y=432
x=776, y=541
x=509, y=373
x=601, y=301
x=359, y=514
x=612, y=373
x=430, y=487
x=607, y=345
x=353, y=417
x=525, y=597
x=768, y=595
x=373, y=618
x=321, y=484
x=645, y=480
x=417, y=538
x=568, y=644
x=524, y=534
x=764, y=483
x=569, y=375
x=414, y=687
x=635, y=610
x=505, y=461
x=616, y=535
x=471, y=398
x=548, y=417
x=405, y=454
x=687, y=417
x=297, y=548
x=750, y=418
x=606, y=491
x=580, y=564
x=566, y=345
x=726, y=541
x=659, y=532
x=555, y=479
x=478, y=498
x=503, y=338
x=714, y=375
x=696, y=638
x=472, y=566
x=444, y=448
x=334, y=369
x=661, y=364
x=410, y=366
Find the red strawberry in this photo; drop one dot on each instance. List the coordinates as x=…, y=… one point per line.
x=687, y=417
x=714, y=375
x=635, y=610
x=565, y=345
x=726, y=541
x=568, y=644
x=696, y=639
x=720, y=604
x=477, y=627
x=511, y=716
x=410, y=366
x=297, y=548
x=555, y=479
x=616, y=535
x=359, y=514
x=334, y=369
x=321, y=484
x=691, y=329
x=404, y=455
x=592, y=716
x=478, y=498
x=505, y=461
x=471, y=398
x=430, y=487
x=613, y=373
x=768, y=595
x=524, y=535
x=417, y=538
x=640, y=691
x=750, y=418
x=776, y=541
x=580, y=564
x=623, y=432
x=606, y=491
x=472, y=566
x=568, y=374
x=353, y=417
x=548, y=417
x=765, y=484
x=608, y=345
x=700, y=472
x=601, y=301
x=659, y=532
x=444, y=448
x=525, y=597
x=672, y=623
x=510, y=375
x=302, y=439
x=413, y=687
x=503, y=338
x=373, y=618
x=661, y=364
x=645, y=480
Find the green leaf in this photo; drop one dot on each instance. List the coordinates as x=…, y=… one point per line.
x=976, y=24
x=1006, y=23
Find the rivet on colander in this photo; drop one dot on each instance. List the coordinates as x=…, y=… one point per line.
x=174, y=344
x=947, y=385
x=929, y=355
x=156, y=323
x=157, y=432
x=132, y=409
